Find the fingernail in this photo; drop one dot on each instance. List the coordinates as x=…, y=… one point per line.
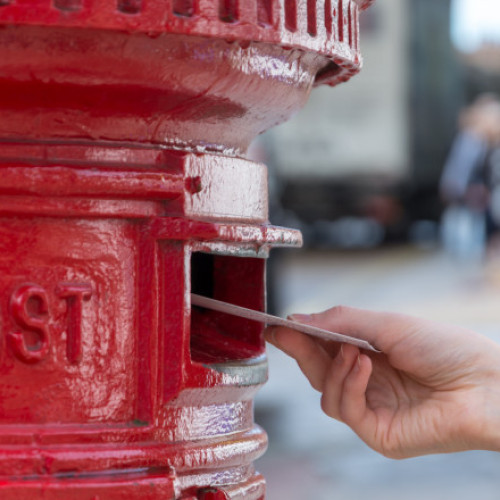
x=270, y=335
x=357, y=365
x=300, y=318
x=273, y=335
x=340, y=355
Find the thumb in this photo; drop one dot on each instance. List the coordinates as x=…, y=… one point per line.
x=383, y=330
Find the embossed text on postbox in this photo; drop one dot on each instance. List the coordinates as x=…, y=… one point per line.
x=67, y=321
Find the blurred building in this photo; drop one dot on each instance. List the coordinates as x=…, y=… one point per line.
x=356, y=128
x=361, y=162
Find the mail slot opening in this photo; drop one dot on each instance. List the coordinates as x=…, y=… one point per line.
x=218, y=337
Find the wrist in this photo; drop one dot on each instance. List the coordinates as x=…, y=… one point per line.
x=484, y=416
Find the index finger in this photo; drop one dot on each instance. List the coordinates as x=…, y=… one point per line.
x=382, y=330
x=310, y=355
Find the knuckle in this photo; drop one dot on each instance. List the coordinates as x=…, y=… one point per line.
x=393, y=451
x=393, y=455
x=337, y=312
x=326, y=406
x=307, y=355
x=345, y=414
x=315, y=385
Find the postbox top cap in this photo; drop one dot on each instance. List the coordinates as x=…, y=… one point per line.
x=325, y=27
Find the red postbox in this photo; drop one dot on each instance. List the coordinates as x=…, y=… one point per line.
x=124, y=187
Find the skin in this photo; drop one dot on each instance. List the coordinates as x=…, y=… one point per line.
x=435, y=388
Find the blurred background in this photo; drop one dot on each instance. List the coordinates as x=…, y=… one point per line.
x=394, y=180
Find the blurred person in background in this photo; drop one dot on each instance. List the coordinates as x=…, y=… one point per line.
x=470, y=184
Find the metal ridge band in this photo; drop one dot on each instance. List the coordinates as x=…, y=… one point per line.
x=326, y=27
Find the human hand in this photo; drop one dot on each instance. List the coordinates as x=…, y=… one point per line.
x=435, y=388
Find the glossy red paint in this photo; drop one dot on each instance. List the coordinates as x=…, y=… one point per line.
x=123, y=187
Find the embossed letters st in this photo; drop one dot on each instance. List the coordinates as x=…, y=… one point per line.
x=29, y=307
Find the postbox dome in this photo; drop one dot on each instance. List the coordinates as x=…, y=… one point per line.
x=326, y=27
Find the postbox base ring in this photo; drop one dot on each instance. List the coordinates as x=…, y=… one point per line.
x=134, y=487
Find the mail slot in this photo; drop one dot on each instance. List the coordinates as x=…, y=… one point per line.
x=218, y=337
x=125, y=187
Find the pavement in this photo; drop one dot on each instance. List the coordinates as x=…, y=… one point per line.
x=313, y=457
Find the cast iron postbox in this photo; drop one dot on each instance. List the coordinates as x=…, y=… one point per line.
x=123, y=187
